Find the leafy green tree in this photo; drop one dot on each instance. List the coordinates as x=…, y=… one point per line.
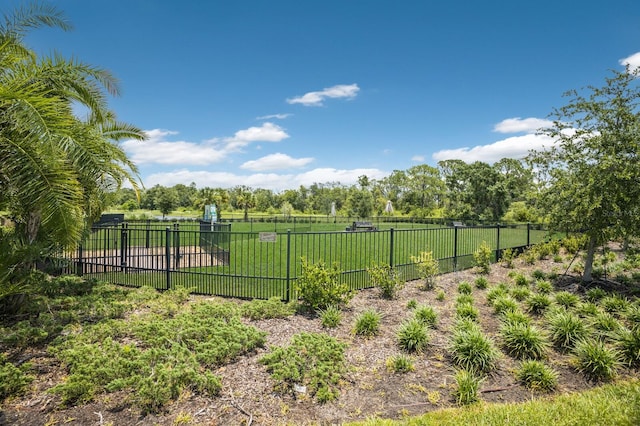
x=166, y=200
x=591, y=176
x=243, y=198
x=424, y=190
x=360, y=203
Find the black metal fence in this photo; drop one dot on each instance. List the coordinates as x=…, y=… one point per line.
x=213, y=259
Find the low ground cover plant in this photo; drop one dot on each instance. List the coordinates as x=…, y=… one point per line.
x=272, y=308
x=313, y=360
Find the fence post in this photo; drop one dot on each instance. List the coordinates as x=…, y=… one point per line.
x=176, y=245
x=167, y=255
x=80, y=266
x=288, y=295
x=497, y=242
x=147, y=233
x=455, y=248
x=123, y=247
x=391, y=249
x=528, y=234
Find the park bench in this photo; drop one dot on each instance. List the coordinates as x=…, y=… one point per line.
x=458, y=224
x=361, y=226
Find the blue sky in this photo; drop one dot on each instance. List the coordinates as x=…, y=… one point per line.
x=282, y=93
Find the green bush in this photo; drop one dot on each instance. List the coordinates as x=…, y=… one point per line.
x=566, y=329
x=428, y=268
x=508, y=256
x=544, y=287
x=400, y=364
x=521, y=293
x=467, y=310
x=538, y=303
x=595, y=360
x=615, y=304
x=386, y=279
x=505, y=304
x=538, y=275
x=319, y=286
x=464, y=288
x=628, y=343
x=573, y=243
x=515, y=317
x=594, y=294
x=566, y=299
x=537, y=376
x=496, y=292
x=524, y=341
x=605, y=323
x=13, y=380
x=472, y=350
x=367, y=323
x=330, y=317
x=482, y=258
x=468, y=384
x=521, y=280
x=263, y=309
x=413, y=336
x=426, y=315
x=481, y=283
x=314, y=360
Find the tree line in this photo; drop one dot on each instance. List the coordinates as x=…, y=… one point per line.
x=455, y=189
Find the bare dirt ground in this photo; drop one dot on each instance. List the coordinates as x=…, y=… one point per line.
x=368, y=390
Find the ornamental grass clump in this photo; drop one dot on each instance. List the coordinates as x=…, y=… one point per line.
x=544, y=286
x=520, y=293
x=481, y=283
x=615, y=304
x=467, y=387
x=466, y=311
x=464, y=288
x=496, y=292
x=596, y=360
x=538, y=303
x=464, y=299
x=400, y=363
x=426, y=315
x=330, y=317
x=628, y=344
x=504, y=304
x=513, y=317
x=472, y=350
x=566, y=329
x=524, y=341
x=594, y=294
x=566, y=300
x=537, y=376
x=413, y=336
x=368, y=323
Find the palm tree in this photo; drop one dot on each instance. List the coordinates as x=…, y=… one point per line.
x=55, y=167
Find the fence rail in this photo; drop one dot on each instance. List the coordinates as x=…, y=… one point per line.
x=212, y=259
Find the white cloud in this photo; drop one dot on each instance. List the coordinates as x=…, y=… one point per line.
x=348, y=91
x=274, y=181
x=513, y=147
x=156, y=149
x=520, y=125
x=632, y=61
x=276, y=161
x=277, y=116
x=418, y=158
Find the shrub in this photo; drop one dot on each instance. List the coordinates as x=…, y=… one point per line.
x=566, y=329
x=508, y=256
x=466, y=310
x=594, y=294
x=428, y=268
x=13, y=380
x=515, y=317
x=481, y=283
x=537, y=376
x=524, y=341
x=426, y=315
x=367, y=323
x=573, y=244
x=467, y=388
x=400, y=364
x=482, y=258
x=319, y=286
x=464, y=288
x=330, y=317
x=538, y=275
x=386, y=279
x=521, y=293
x=595, y=360
x=472, y=350
x=495, y=293
x=413, y=336
x=544, y=286
x=464, y=299
x=263, y=309
x=566, y=299
x=614, y=304
x=314, y=360
x=628, y=343
x=538, y=303
x=504, y=304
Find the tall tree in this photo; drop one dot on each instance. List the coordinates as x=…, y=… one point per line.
x=591, y=175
